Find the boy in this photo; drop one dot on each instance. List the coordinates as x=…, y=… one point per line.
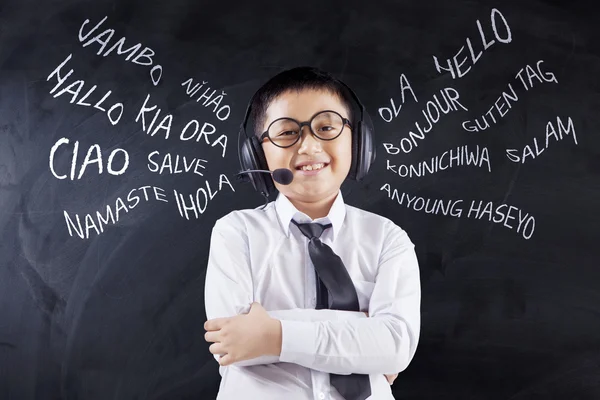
x=262, y=287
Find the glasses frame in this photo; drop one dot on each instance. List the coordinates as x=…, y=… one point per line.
x=308, y=123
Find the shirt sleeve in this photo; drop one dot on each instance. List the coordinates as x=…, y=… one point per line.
x=300, y=314
x=228, y=289
x=383, y=343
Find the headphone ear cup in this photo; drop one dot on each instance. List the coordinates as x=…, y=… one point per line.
x=355, y=164
x=253, y=157
x=365, y=150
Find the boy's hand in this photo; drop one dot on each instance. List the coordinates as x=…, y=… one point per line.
x=390, y=378
x=244, y=336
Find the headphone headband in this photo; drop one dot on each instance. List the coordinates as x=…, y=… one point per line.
x=249, y=107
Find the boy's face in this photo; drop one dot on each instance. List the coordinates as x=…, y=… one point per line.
x=309, y=186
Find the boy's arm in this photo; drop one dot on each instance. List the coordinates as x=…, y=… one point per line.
x=228, y=289
x=383, y=343
x=229, y=286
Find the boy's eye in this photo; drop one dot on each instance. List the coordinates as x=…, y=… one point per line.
x=326, y=128
x=288, y=133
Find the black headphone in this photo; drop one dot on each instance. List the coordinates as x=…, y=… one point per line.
x=252, y=156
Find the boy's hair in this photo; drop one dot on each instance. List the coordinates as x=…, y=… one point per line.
x=298, y=79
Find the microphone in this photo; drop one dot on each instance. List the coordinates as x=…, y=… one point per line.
x=282, y=176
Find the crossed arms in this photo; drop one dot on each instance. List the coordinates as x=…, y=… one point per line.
x=333, y=341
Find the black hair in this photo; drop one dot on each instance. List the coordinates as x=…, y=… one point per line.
x=298, y=78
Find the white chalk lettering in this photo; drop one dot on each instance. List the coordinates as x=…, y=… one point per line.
x=111, y=215
x=451, y=158
x=507, y=98
x=456, y=65
x=93, y=156
x=553, y=133
x=143, y=57
x=180, y=165
x=388, y=114
x=198, y=202
x=221, y=111
x=115, y=111
x=523, y=224
x=432, y=112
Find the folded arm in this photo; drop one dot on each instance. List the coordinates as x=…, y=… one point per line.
x=383, y=343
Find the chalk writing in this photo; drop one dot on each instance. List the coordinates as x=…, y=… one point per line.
x=523, y=224
x=388, y=114
x=93, y=156
x=431, y=112
x=96, y=222
x=114, y=113
x=499, y=108
x=520, y=156
x=222, y=112
x=189, y=132
x=103, y=38
x=199, y=202
x=448, y=159
x=177, y=167
x=454, y=65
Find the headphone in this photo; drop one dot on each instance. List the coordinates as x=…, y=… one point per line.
x=251, y=155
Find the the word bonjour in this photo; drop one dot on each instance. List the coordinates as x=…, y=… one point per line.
x=432, y=112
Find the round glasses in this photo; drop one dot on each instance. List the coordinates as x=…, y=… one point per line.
x=325, y=125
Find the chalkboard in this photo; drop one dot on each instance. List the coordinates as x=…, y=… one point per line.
x=118, y=152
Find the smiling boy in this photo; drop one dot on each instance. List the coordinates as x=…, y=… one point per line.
x=270, y=332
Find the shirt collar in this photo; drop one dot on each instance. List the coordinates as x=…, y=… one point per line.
x=286, y=211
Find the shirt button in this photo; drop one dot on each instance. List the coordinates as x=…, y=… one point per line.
x=321, y=395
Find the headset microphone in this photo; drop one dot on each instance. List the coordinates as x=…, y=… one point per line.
x=282, y=176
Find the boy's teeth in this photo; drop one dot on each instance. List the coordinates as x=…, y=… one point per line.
x=312, y=167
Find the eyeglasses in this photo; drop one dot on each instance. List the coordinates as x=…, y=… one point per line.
x=325, y=125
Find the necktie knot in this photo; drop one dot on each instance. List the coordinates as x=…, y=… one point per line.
x=311, y=230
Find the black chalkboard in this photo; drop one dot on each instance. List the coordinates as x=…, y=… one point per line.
x=112, y=176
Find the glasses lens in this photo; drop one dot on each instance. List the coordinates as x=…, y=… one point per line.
x=327, y=125
x=284, y=132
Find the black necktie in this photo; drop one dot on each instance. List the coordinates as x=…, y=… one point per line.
x=335, y=288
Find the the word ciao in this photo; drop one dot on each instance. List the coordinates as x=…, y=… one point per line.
x=93, y=156
x=455, y=64
x=179, y=166
x=192, y=129
x=448, y=159
x=432, y=112
x=144, y=57
x=388, y=114
x=509, y=216
x=499, y=108
x=115, y=111
x=96, y=222
x=198, y=202
x=520, y=156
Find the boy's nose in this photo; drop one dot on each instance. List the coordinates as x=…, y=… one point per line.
x=308, y=142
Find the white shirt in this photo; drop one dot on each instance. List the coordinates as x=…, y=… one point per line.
x=259, y=255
